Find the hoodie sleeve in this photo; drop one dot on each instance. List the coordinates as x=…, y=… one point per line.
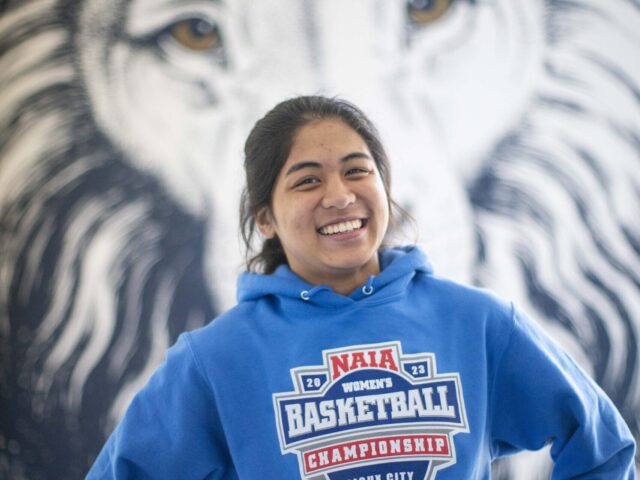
x=541, y=396
x=171, y=429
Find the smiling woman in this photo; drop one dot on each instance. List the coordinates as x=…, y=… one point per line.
x=329, y=207
x=450, y=363
x=318, y=150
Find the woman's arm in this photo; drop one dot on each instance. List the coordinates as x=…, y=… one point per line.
x=171, y=429
x=541, y=396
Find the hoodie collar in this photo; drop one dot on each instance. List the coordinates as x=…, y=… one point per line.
x=398, y=266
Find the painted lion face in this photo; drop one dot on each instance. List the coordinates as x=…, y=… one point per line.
x=177, y=87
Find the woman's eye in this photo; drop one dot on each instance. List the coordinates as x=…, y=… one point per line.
x=424, y=12
x=306, y=182
x=196, y=34
x=358, y=171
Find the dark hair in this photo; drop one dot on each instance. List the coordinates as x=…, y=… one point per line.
x=266, y=151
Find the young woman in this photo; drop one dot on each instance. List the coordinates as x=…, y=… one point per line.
x=347, y=360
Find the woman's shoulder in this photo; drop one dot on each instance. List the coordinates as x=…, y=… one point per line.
x=224, y=329
x=232, y=318
x=412, y=259
x=459, y=293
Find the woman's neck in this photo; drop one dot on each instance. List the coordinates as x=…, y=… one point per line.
x=345, y=282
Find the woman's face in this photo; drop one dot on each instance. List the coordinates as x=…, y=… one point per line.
x=329, y=207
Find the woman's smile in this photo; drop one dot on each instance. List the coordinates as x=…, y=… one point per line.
x=343, y=227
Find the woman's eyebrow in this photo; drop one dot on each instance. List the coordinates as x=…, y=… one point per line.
x=301, y=165
x=355, y=156
x=310, y=164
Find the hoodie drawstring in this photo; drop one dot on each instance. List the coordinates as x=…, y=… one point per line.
x=307, y=294
x=367, y=288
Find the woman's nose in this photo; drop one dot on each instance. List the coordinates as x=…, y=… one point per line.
x=338, y=195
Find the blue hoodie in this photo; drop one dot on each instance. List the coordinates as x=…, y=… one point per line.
x=411, y=377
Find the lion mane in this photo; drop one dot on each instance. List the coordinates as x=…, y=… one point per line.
x=100, y=269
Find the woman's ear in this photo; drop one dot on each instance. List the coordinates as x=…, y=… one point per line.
x=265, y=223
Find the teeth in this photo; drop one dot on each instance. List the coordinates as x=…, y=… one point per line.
x=341, y=227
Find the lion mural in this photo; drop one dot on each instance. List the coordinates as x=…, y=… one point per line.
x=513, y=125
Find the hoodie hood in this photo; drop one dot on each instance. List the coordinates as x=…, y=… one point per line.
x=398, y=267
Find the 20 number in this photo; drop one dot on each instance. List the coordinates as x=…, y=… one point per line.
x=313, y=382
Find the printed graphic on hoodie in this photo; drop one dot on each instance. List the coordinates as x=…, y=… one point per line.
x=371, y=412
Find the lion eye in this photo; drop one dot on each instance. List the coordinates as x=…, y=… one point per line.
x=197, y=34
x=424, y=12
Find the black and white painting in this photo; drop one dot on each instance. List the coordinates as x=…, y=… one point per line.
x=514, y=132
